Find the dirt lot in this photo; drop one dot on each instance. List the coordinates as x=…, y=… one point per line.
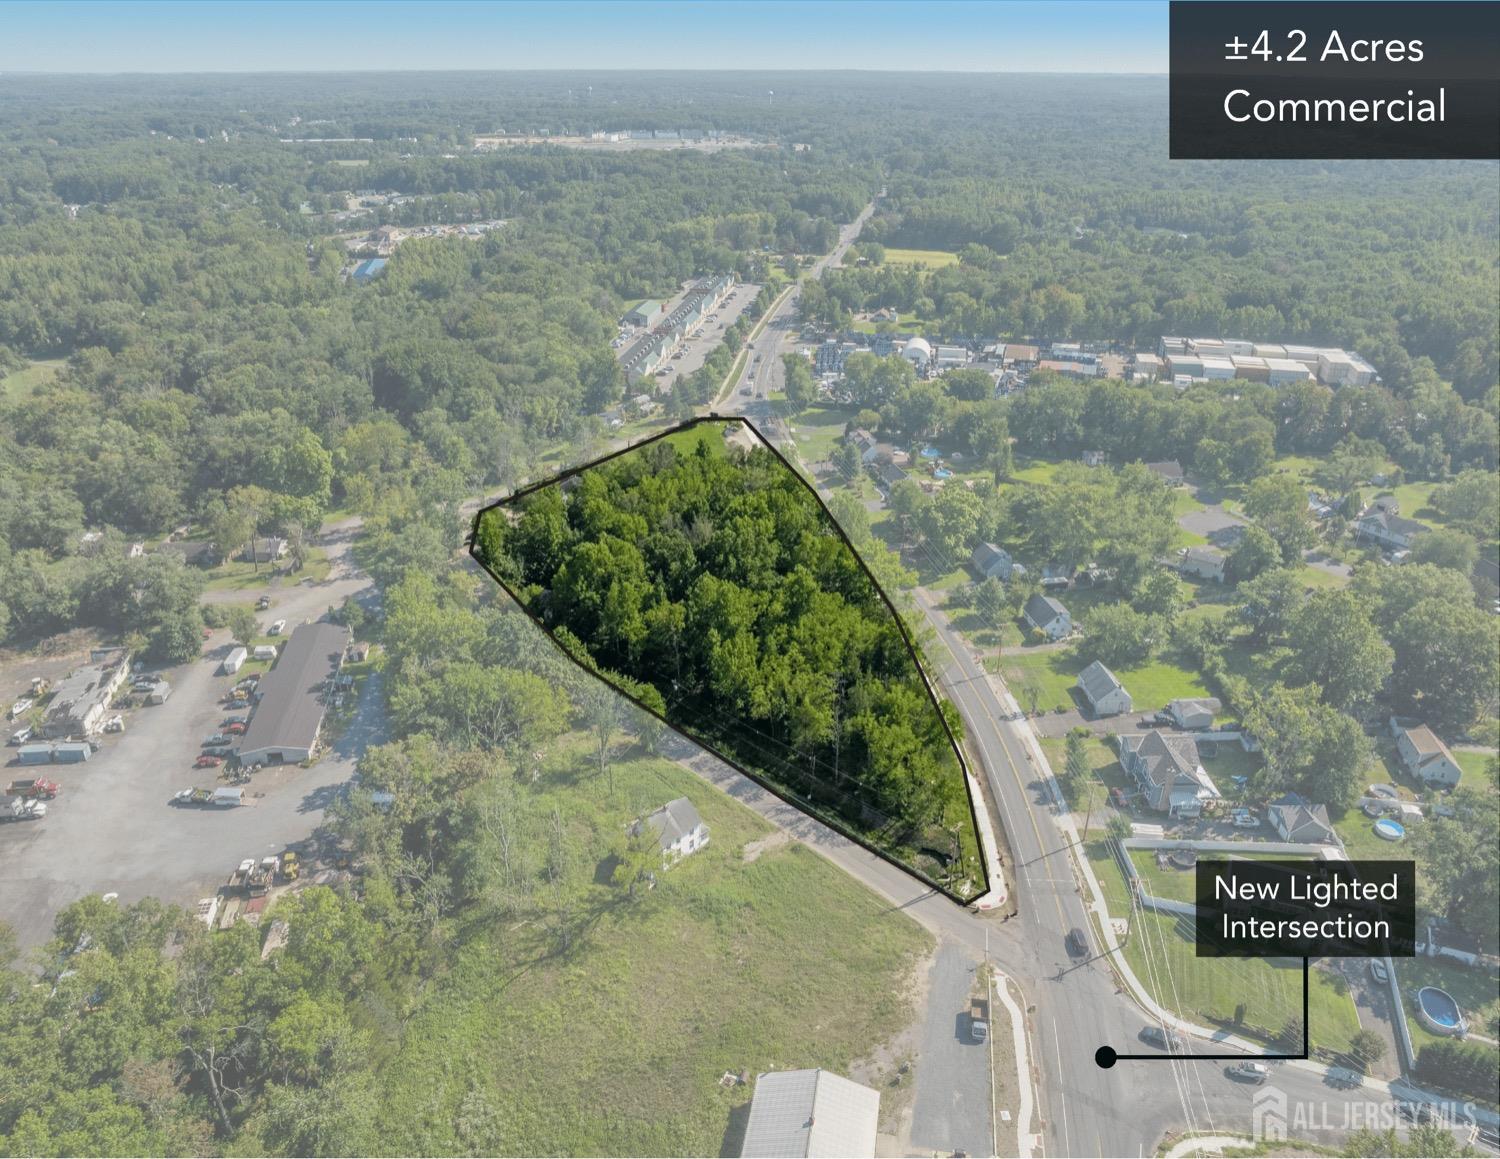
x=111, y=828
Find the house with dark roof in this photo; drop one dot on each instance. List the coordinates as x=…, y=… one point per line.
x=803, y=1114
x=887, y=475
x=1194, y=713
x=1296, y=819
x=1168, y=770
x=289, y=715
x=679, y=830
x=1105, y=695
x=1169, y=471
x=1426, y=757
x=866, y=444
x=198, y=552
x=1048, y=616
x=1392, y=532
x=992, y=562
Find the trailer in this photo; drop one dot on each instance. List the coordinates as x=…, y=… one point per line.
x=234, y=661
x=220, y=798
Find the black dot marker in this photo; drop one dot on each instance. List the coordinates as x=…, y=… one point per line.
x=1106, y=1057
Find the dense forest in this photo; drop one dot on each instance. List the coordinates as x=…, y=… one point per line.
x=708, y=582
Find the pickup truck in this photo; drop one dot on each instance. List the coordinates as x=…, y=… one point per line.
x=39, y=788
x=979, y=1019
x=221, y=798
x=21, y=809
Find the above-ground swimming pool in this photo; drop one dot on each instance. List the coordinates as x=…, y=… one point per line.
x=1438, y=1012
x=942, y=473
x=1390, y=830
x=930, y=452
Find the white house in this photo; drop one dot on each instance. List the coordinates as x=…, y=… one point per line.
x=864, y=442
x=1105, y=695
x=1168, y=770
x=679, y=830
x=1393, y=532
x=804, y=1114
x=993, y=562
x=1206, y=563
x=1094, y=458
x=1048, y=617
x=1426, y=757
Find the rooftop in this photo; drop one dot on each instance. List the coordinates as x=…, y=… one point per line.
x=798, y=1114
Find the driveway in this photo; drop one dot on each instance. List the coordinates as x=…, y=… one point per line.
x=951, y=1108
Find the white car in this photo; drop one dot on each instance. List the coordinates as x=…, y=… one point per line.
x=115, y=724
x=1250, y=1072
x=276, y=628
x=21, y=707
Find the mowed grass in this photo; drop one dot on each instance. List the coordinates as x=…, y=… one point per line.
x=818, y=430
x=727, y=965
x=236, y=574
x=932, y=259
x=1209, y=991
x=1053, y=674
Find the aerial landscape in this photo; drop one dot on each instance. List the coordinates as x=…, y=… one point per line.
x=560, y=596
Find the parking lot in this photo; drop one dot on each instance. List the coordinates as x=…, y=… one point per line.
x=112, y=830
x=696, y=348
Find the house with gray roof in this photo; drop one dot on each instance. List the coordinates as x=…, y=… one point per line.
x=1206, y=563
x=992, y=562
x=1104, y=694
x=1168, y=770
x=1194, y=713
x=1169, y=471
x=803, y=1114
x=679, y=830
x=1393, y=532
x=1295, y=819
x=1426, y=757
x=1048, y=616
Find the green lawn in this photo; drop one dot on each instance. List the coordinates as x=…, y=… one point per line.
x=1475, y=765
x=818, y=430
x=1209, y=991
x=235, y=575
x=1107, y=774
x=932, y=259
x=1476, y=990
x=1034, y=470
x=777, y=963
x=20, y=383
x=1054, y=673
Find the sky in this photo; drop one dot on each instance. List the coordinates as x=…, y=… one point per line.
x=318, y=35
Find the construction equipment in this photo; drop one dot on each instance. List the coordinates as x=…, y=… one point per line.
x=21, y=809
x=291, y=868
x=39, y=788
x=262, y=876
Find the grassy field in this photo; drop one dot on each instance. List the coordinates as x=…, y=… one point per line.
x=1107, y=774
x=20, y=383
x=818, y=431
x=729, y=964
x=1054, y=673
x=932, y=259
x=1209, y=990
x=1475, y=765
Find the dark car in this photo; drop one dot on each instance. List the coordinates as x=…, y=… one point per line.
x=1168, y=1040
x=1078, y=944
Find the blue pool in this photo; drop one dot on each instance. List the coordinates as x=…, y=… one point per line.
x=942, y=473
x=930, y=452
x=1390, y=830
x=1438, y=1012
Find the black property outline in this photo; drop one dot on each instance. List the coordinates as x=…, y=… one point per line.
x=725, y=420
x=1106, y=1056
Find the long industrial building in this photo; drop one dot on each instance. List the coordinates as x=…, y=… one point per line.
x=643, y=356
x=293, y=697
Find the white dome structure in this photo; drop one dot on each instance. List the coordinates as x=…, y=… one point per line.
x=917, y=351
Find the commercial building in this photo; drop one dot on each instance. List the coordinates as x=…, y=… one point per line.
x=79, y=703
x=646, y=314
x=286, y=723
x=918, y=352
x=803, y=1114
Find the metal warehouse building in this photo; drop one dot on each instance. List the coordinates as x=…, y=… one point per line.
x=287, y=720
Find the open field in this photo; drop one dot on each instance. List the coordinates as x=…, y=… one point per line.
x=729, y=964
x=1053, y=674
x=20, y=383
x=1211, y=991
x=932, y=259
x=237, y=574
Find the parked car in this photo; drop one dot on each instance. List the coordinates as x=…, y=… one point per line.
x=22, y=734
x=218, y=738
x=263, y=603
x=205, y=761
x=1250, y=1072
x=1244, y=819
x=1378, y=971
x=115, y=724
x=235, y=729
x=1168, y=1040
x=277, y=628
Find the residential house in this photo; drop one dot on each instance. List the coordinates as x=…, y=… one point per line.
x=265, y=550
x=1094, y=458
x=1392, y=532
x=1168, y=771
x=1169, y=472
x=1426, y=757
x=198, y=552
x=1105, y=695
x=1206, y=563
x=679, y=830
x=80, y=702
x=865, y=443
x=1194, y=713
x=1295, y=819
x=803, y=1114
x=887, y=475
x=1048, y=617
x=992, y=562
